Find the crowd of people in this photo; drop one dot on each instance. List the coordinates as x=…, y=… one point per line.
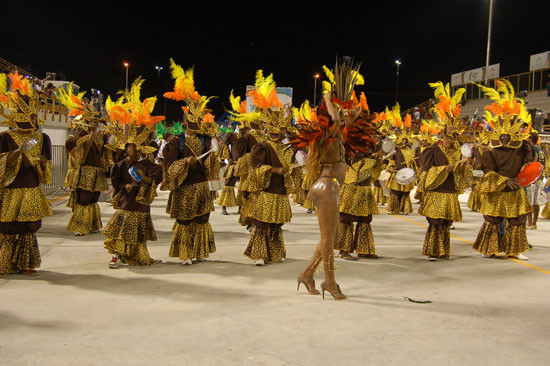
x=339, y=159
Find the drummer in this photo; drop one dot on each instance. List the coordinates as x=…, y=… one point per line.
x=446, y=174
x=505, y=198
x=403, y=161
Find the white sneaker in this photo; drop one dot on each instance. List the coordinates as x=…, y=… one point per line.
x=520, y=256
x=186, y=262
x=195, y=260
x=487, y=255
x=259, y=262
x=78, y=234
x=281, y=259
x=115, y=262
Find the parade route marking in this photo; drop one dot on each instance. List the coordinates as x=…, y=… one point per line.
x=471, y=243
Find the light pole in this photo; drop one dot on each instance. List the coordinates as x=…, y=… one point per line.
x=126, y=65
x=489, y=39
x=397, y=63
x=158, y=68
x=315, y=77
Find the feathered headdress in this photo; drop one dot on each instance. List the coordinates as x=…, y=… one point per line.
x=78, y=110
x=271, y=111
x=401, y=128
x=447, y=109
x=21, y=102
x=131, y=119
x=239, y=113
x=429, y=130
x=184, y=90
x=507, y=115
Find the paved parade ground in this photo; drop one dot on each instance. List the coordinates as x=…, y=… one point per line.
x=226, y=311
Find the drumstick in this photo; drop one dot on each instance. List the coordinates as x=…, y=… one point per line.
x=388, y=155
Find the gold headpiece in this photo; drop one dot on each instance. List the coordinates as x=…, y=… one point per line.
x=268, y=106
x=131, y=119
x=448, y=109
x=401, y=128
x=506, y=116
x=184, y=90
x=21, y=102
x=77, y=107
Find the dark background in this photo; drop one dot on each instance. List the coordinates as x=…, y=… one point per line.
x=87, y=42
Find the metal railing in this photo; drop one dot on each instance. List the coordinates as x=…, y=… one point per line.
x=59, y=170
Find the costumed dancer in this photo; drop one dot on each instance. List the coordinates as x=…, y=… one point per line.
x=228, y=197
x=404, y=158
x=253, y=134
x=335, y=132
x=476, y=197
x=90, y=161
x=429, y=131
x=384, y=127
x=357, y=202
x=447, y=174
x=25, y=156
x=504, y=199
x=535, y=190
x=269, y=180
x=134, y=179
x=190, y=201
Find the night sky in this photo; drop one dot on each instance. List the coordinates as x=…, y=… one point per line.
x=87, y=43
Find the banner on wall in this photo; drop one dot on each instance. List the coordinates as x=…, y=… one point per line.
x=456, y=79
x=539, y=61
x=475, y=75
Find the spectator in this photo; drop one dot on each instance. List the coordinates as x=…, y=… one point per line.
x=546, y=123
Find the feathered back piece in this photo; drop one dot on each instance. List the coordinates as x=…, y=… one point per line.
x=507, y=115
x=184, y=90
x=131, y=119
x=448, y=108
x=341, y=83
x=21, y=102
x=317, y=129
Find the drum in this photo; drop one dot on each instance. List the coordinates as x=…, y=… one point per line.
x=384, y=176
x=530, y=173
x=300, y=158
x=133, y=173
x=388, y=146
x=405, y=176
x=478, y=173
x=467, y=149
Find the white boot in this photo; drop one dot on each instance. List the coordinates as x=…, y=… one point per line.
x=259, y=262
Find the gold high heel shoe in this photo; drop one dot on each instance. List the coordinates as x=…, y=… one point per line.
x=335, y=292
x=310, y=286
